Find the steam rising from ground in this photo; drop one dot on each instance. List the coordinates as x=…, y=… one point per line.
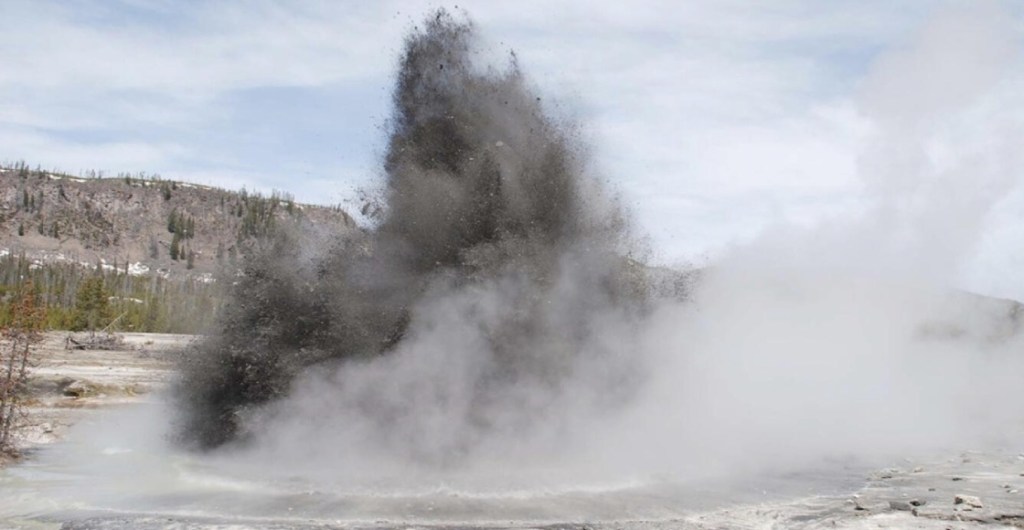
x=497, y=274
x=490, y=325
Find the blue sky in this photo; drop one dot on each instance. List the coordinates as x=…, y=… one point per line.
x=713, y=119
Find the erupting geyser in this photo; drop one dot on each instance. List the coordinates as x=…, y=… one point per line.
x=498, y=271
x=496, y=323
x=492, y=352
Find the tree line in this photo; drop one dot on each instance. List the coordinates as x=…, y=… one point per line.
x=76, y=297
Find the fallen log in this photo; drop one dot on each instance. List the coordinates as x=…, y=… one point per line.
x=106, y=341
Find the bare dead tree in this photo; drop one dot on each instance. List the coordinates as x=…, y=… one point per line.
x=19, y=337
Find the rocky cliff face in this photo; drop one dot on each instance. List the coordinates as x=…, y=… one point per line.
x=141, y=224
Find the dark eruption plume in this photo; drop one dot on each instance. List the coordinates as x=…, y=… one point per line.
x=493, y=237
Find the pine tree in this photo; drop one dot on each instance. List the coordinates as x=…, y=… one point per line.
x=92, y=308
x=191, y=260
x=151, y=320
x=175, y=246
x=172, y=222
x=21, y=229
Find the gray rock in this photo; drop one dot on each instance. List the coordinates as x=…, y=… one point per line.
x=968, y=500
x=80, y=389
x=902, y=506
x=885, y=474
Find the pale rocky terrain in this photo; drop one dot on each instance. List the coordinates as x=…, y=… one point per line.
x=66, y=382
x=971, y=490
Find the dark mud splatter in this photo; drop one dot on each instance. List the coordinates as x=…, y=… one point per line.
x=483, y=193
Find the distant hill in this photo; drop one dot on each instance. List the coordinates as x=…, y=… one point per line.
x=132, y=253
x=137, y=223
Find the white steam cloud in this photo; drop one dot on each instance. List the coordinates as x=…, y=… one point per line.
x=845, y=339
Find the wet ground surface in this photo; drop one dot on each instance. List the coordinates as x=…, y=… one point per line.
x=961, y=491
x=111, y=472
x=66, y=487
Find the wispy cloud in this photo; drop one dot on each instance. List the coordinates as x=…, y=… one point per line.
x=713, y=118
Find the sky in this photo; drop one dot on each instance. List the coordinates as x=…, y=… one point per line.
x=714, y=120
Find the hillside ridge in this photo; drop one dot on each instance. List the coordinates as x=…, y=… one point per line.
x=140, y=224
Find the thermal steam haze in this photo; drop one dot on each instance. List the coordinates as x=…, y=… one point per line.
x=526, y=359
x=714, y=120
x=518, y=353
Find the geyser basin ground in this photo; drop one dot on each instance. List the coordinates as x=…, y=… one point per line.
x=922, y=376
x=113, y=471
x=115, y=468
